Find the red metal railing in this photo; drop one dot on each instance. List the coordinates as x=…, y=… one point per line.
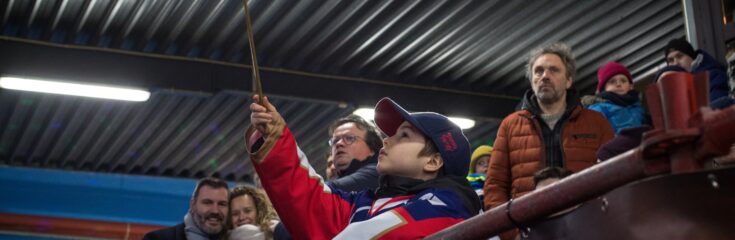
x=685, y=134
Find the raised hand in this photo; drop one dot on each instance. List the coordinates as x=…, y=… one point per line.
x=262, y=116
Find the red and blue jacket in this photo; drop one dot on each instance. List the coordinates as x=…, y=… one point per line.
x=311, y=209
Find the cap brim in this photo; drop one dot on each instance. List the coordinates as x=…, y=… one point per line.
x=389, y=116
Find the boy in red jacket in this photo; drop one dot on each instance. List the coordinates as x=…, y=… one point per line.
x=422, y=184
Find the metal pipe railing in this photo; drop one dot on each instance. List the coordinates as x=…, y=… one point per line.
x=679, y=143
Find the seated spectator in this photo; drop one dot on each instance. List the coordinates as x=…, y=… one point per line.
x=251, y=215
x=423, y=189
x=478, y=168
x=616, y=99
x=680, y=53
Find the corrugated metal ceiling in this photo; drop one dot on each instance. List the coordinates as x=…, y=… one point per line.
x=473, y=46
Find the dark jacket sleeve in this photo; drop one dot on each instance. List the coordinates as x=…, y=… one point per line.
x=718, y=84
x=362, y=179
x=717, y=75
x=172, y=233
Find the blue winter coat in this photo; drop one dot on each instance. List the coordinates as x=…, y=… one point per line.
x=620, y=117
x=717, y=76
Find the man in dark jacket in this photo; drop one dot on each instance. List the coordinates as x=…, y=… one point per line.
x=680, y=53
x=206, y=217
x=354, y=144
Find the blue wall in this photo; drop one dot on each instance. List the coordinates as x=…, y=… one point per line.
x=94, y=196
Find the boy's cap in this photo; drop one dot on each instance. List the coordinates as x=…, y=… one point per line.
x=446, y=136
x=680, y=45
x=609, y=70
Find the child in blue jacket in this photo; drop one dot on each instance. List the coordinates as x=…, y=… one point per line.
x=616, y=98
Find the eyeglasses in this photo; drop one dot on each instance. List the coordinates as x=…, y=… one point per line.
x=348, y=139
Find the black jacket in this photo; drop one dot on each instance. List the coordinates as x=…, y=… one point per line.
x=170, y=233
x=359, y=175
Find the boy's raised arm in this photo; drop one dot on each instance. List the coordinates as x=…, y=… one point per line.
x=307, y=207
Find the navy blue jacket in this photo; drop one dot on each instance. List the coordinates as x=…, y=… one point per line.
x=717, y=75
x=359, y=176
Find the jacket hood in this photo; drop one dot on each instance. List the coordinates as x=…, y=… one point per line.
x=704, y=62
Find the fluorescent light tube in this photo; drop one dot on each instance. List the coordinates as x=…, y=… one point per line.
x=76, y=89
x=369, y=114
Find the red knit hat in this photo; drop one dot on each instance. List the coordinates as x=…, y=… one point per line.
x=609, y=70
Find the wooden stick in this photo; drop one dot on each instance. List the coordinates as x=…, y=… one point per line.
x=257, y=85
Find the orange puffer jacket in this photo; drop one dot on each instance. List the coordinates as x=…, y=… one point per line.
x=519, y=150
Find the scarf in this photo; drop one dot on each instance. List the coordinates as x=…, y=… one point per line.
x=628, y=99
x=193, y=232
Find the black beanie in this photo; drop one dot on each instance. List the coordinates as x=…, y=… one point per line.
x=680, y=45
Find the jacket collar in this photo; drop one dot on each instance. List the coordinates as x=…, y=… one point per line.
x=532, y=109
x=357, y=164
x=704, y=62
x=393, y=186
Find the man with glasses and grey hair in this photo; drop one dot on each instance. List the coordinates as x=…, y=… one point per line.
x=355, y=144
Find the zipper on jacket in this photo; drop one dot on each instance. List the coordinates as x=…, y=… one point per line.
x=540, y=130
x=558, y=138
x=554, y=141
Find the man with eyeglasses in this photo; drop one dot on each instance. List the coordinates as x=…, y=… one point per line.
x=351, y=165
x=354, y=143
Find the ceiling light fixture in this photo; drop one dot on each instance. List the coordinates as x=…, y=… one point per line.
x=463, y=123
x=369, y=114
x=365, y=113
x=76, y=89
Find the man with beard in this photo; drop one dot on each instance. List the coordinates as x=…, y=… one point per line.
x=552, y=129
x=354, y=143
x=206, y=216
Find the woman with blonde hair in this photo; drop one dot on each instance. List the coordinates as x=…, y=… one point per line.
x=251, y=214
